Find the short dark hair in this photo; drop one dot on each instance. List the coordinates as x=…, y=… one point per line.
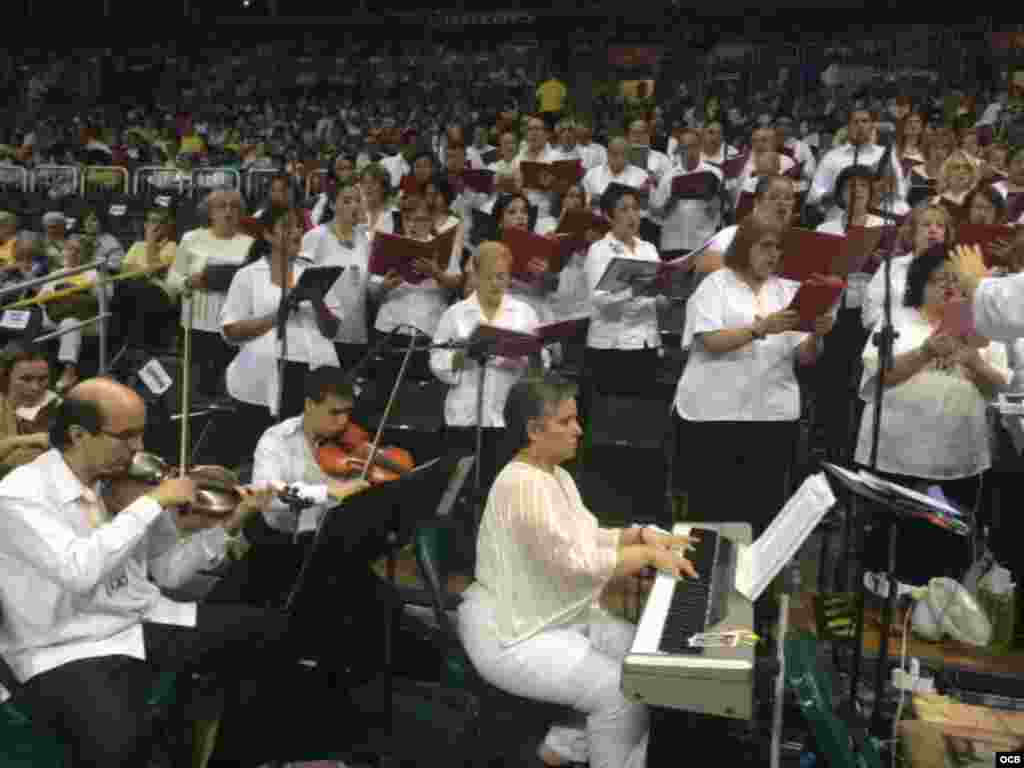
x=748, y=234
x=328, y=380
x=533, y=397
x=443, y=187
x=920, y=270
x=611, y=197
x=74, y=411
x=17, y=352
x=504, y=201
x=850, y=173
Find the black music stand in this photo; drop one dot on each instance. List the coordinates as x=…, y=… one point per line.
x=901, y=506
x=365, y=527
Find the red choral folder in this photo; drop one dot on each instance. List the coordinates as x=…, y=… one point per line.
x=702, y=185
x=479, y=180
x=861, y=244
x=806, y=253
x=733, y=167
x=527, y=246
x=565, y=173
x=392, y=252
x=492, y=340
x=816, y=297
x=984, y=235
x=409, y=185
x=958, y=319
x=576, y=224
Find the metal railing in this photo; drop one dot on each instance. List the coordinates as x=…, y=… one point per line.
x=55, y=176
x=101, y=267
x=108, y=171
x=16, y=173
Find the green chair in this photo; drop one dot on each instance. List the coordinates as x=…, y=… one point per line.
x=501, y=720
x=837, y=743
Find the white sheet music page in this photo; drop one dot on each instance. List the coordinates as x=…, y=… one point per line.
x=759, y=563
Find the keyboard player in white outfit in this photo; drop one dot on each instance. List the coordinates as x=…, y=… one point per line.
x=531, y=622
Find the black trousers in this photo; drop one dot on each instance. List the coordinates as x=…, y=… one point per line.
x=350, y=355
x=98, y=705
x=735, y=471
x=622, y=371
x=211, y=355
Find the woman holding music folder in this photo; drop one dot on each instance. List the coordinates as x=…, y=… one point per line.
x=738, y=392
x=489, y=304
x=623, y=342
x=344, y=242
x=531, y=622
x=201, y=264
x=249, y=320
x=934, y=428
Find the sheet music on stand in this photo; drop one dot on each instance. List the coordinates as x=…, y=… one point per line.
x=903, y=499
x=761, y=562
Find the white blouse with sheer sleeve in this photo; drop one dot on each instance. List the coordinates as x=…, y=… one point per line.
x=541, y=554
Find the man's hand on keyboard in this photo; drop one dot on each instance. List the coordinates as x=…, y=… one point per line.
x=671, y=563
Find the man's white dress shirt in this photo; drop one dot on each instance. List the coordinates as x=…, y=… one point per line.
x=252, y=375
x=322, y=247
x=74, y=582
x=687, y=223
x=283, y=455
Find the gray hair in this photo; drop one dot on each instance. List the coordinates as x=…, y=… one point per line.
x=533, y=397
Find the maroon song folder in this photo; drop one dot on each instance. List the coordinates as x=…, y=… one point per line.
x=527, y=246
x=701, y=185
x=576, y=224
x=393, y=252
x=492, y=340
x=984, y=235
x=479, y=180
x=733, y=167
x=565, y=173
x=815, y=297
x=806, y=253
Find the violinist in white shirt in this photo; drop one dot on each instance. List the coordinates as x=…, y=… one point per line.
x=488, y=305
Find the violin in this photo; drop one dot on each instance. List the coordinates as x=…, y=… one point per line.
x=216, y=487
x=346, y=456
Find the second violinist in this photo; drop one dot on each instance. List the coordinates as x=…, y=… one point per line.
x=287, y=455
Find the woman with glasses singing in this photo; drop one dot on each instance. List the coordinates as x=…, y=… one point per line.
x=934, y=425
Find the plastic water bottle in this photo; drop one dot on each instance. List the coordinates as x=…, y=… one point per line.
x=808, y=760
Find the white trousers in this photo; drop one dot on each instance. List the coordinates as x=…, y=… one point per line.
x=578, y=666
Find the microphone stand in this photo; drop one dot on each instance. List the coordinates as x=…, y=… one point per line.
x=885, y=340
x=283, y=310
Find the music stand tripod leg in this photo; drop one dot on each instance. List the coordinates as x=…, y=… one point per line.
x=478, y=506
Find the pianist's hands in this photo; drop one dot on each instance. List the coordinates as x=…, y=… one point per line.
x=655, y=538
x=672, y=563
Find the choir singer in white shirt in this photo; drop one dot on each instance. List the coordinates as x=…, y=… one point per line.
x=488, y=305
x=738, y=400
x=623, y=342
x=84, y=628
x=531, y=622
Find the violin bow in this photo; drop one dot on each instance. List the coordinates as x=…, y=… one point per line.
x=391, y=401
